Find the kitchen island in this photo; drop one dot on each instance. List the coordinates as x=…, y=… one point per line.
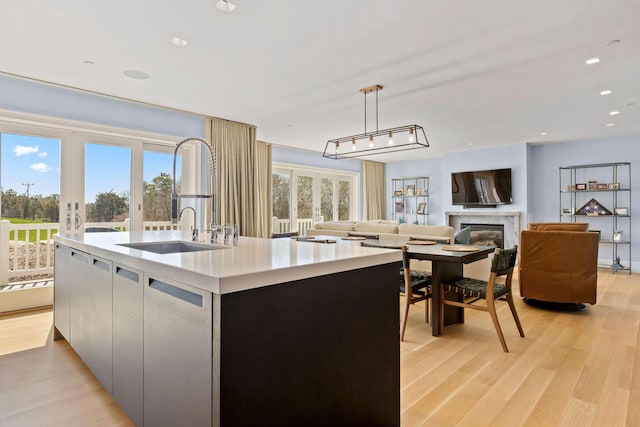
x=268, y=332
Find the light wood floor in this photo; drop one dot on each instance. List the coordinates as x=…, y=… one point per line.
x=572, y=369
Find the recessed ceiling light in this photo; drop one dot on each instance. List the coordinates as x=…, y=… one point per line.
x=225, y=6
x=613, y=42
x=544, y=133
x=605, y=92
x=177, y=41
x=469, y=144
x=614, y=113
x=610, y=124
x=136, y=74
x=592, y=61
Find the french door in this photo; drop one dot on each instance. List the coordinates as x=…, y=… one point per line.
x=92, y=180
x=119, y=183
x=304, y=197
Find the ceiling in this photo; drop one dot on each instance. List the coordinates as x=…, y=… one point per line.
x=480, y=73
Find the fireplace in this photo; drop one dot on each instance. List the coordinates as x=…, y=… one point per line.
x=486, y=234
x=510, y=220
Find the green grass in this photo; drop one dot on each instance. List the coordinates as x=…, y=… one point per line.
x=32, y=233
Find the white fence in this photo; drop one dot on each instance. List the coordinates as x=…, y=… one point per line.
x=22, y=257
x=282, y=225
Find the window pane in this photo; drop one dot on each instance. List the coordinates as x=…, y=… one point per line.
x=30, y=177
x=326, y=199
x=107, y=184
x=344, y=200
x=281, y=202
x=305, y=197
x=158, y=179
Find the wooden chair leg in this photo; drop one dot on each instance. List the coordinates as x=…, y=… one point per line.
x=491, y=306
x=426, y=309
x=512, y=306
x=405, y=314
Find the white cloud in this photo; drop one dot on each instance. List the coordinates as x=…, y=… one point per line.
x=43, y=154
x=22, y=150
x=40, y=167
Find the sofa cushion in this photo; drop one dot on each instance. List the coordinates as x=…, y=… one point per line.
x=335, y=225
x=462, y=236
x=369, y=227
x=559, y=226
x=383, y=221
x=426, y=230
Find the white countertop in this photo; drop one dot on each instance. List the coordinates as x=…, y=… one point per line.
x=253, y=263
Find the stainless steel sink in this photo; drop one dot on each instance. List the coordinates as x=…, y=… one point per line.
x=171, y=247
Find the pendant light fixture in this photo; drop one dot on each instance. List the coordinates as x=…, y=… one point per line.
x=395, y=141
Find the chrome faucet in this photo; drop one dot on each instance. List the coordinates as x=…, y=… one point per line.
x=194, y=228
x=213, y=227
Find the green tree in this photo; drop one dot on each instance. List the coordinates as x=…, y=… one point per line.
x=157, y=198
x=108, y=207
x=281, y=184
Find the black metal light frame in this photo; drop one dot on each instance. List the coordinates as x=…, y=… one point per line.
x=342, y=148
x=348, y=147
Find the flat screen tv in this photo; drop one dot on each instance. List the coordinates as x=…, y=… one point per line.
x=481, y=188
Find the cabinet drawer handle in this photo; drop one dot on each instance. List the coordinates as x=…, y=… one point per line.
x=127, y=274
x=176, y=292
x=79, y=256
x=101, y=265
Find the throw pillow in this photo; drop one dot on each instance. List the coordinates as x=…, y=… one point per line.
x=462, y=236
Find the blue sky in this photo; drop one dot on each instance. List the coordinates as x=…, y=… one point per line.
x=36, y=160
x=33, y=160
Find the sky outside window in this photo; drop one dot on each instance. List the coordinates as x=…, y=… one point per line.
x=30, y=160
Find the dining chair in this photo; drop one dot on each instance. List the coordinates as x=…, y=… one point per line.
x=416, y=286
x=474, y=290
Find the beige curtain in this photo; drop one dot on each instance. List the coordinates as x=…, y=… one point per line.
x=373, y=187
x=243, y=177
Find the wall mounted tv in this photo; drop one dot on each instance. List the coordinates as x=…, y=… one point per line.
x=487, y=188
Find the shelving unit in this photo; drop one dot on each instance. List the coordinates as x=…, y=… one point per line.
x=410, y=197
x=600, y=194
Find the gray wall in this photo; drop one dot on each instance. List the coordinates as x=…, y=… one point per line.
x=439, y=172
x=535, y=176
x=38, y=98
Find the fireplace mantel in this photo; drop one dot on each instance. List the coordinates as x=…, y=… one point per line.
x=510, y=220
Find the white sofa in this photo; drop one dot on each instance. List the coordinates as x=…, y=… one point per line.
x=386, y=230
x=391, y=231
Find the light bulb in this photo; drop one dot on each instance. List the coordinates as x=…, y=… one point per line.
x=337, y=147
x=390, y=138
x=412, y=137
x=353, y=144
x=370, y=141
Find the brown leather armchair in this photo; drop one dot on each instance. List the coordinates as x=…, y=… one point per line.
x=559, y=263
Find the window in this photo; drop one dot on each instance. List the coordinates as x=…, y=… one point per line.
x=305, y=196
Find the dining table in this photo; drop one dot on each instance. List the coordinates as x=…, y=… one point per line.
x=447, y=261
x=447, y=265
